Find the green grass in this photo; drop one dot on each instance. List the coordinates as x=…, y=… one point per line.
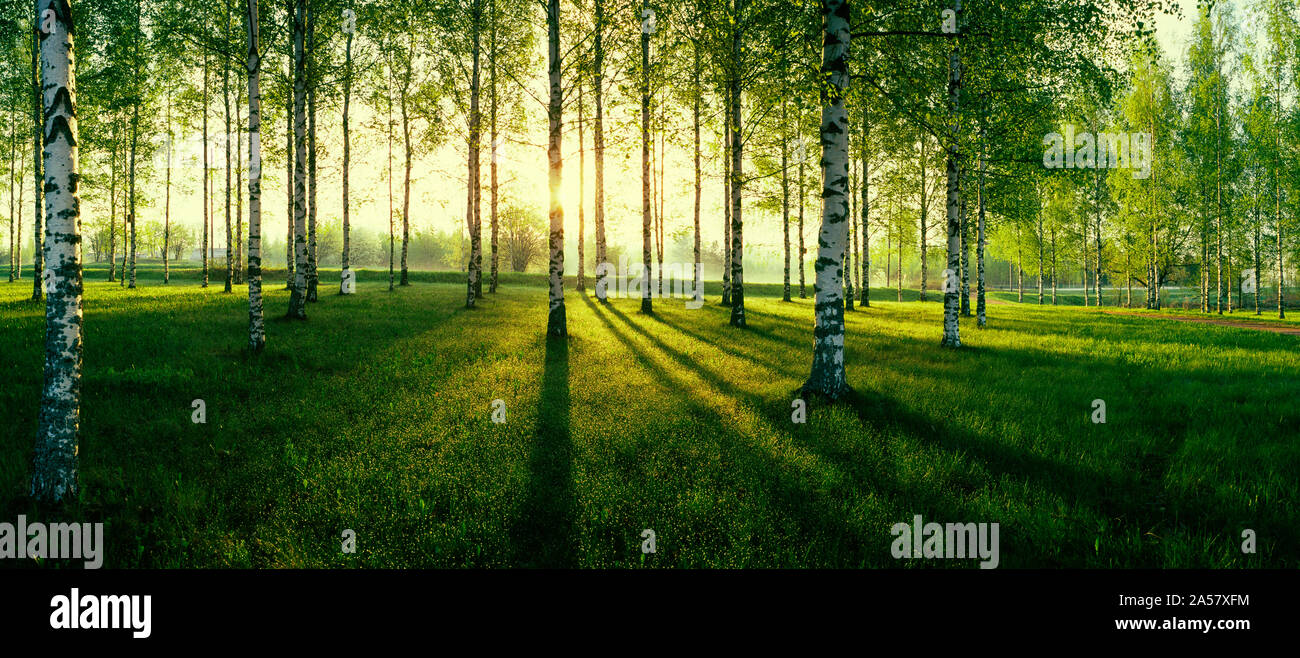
x=375, y=415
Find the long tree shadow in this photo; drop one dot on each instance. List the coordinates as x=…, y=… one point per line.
x=543, y=534
x=1136, y=502
x=816, y=517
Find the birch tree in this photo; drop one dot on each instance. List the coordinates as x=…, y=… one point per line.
x=298, y=296
x=256, y=330
x=556, y=323
x=828, y=378
x=349, y=29
x=54, y=472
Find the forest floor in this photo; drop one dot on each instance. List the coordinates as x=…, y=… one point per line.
x=376, y=415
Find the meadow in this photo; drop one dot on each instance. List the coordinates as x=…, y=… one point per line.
x=376, y=415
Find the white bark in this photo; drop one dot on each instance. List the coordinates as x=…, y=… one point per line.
x=556, y=323
x=298, y=296
x=952, y=298
x=828, y=374
x=54, y=476
x=346, y=263
x=256, y=329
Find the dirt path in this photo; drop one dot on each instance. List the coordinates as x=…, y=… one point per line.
x=1290, y=330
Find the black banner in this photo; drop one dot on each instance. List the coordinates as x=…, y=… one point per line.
x=234, y=607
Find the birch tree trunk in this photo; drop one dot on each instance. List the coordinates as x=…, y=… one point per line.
x=256, y=329
x=135, y=139
x=112, y=212
x=392, y=230
x=598, y=149
x=980, y=318
x=803, y=195
x=965, y=247
x=1038, y=212
x=556, y=324
x=346, y=263
x=785, y=201
x=225, y=99
x=925, y=274
x=13, y=149
x=472, y=174
x=289, y=266
x=951, y=297
x=864, y=281
x=207, y=206
x=239, y=180
x=737, y=175
x=646, y=305
x=582, y=195
x=850, y=247
x=697, y=91
x=406, y=140
x=496, y=145
x=298, y=296
x=167, y=196
x=827, y=377
x=1097, y=237
x=54, y=472
x=38, y=174
x=726, y=201
x=313, y=81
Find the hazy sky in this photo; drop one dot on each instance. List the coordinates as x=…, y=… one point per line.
x=438, y=178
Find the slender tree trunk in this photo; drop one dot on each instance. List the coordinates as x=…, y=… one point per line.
x=803, y=159
x=346, y=262
x=697, y=276
x=582, y=196
x=207, y=206
x=225, y=98
x=1053, y=271
x=598, y=148
x=256, y=330
x=313, y=81
x=785, y=200
x=1038, y=211
x=726, y=200
x=864, y=281
x=54, y=472
x=851, y=245
x=556, y=324
x=14, y=259
x=112, y=212
x=406, y=184
x=1257, y=271
x=737, y=175
x=925, y=272
x=1020, y=268
x=496, y=145
x=951, y=334
x=38, y=173
x=980, y=317
x=288, y=163
x=646, y=305
x=392, y=229
x=135, y=139
x=473, y=173
x=1096, y=236
x=167, y=196
x=827, y=377
x=239, y=181
x=298, y=296
x=661, y=154
x=965, y=246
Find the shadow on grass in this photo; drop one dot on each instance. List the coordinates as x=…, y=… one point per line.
x=543, y=535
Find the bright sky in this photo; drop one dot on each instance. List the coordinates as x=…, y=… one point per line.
x=438, y=179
